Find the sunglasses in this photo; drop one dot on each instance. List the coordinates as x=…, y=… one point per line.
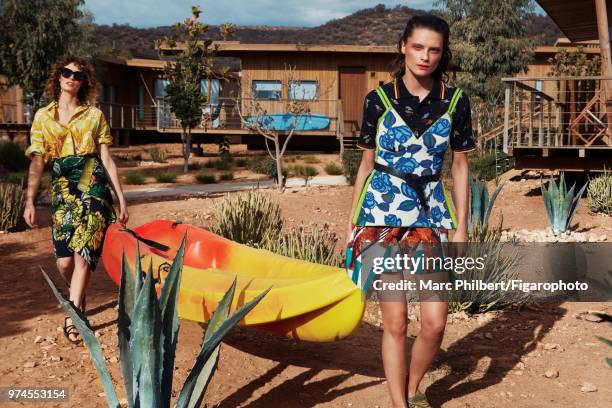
x=67, y=73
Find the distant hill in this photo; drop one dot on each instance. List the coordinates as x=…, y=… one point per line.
x=377, y=25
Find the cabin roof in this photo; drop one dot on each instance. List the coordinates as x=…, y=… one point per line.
x=237, y=46
x=577, y=19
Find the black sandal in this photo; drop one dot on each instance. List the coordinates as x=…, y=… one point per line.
x=70, y=329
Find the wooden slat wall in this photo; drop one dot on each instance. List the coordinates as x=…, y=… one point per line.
x=322, y=67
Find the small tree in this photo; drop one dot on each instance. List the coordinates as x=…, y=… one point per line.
x=34, y=35
x=193, y=59
x=488, y=46
x=254, y=115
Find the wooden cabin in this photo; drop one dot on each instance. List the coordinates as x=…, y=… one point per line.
x=563, y=123
x=331, y=81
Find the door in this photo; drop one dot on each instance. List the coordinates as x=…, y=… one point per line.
x=352, y=91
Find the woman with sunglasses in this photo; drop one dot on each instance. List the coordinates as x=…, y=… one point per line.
x=72, y=135
x=399, y=201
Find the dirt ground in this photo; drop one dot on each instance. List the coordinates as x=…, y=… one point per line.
x=497, y=360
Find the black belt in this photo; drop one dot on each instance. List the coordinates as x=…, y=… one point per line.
x=414, y=181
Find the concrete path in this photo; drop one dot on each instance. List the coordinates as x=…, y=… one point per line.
x=203, y=189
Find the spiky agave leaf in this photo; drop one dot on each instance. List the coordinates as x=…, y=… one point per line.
x=485, y=202
x=205, y=375
x=168, y=304
x=145, y=345
x=575, y=204
x=492, y=202
x=126, y=307
x=209, y=347
x=90, y=341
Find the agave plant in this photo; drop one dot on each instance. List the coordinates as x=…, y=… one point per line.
x=148, y=329
x=561, y=204
x=481, y=206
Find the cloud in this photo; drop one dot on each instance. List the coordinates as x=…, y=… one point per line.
x=152, y=13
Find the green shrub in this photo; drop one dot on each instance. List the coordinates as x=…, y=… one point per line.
x=227, y=176
x=166, y=177
x=241, y=162
x=500, y=265
x=484, y=167
x=351, y=159
x=134, y=177
x=158, y=155
x=599, y=194
x=317, y=245
x=210, y=164
x=12, y=157
x=223, y=164
x=194, y=166
x=247, y=217
x=305, y=172
x=148, y=329
x=311, y=160
x=12, y=203
x=333, y=169
x=205, y=178
x=263, y=165
x=226, y=156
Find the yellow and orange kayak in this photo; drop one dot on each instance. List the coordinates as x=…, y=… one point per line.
x=308, y=301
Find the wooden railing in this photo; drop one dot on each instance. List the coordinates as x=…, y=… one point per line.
x=564, y=111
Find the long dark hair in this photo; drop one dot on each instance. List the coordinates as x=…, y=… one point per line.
x=434, y=23
x=88, y=91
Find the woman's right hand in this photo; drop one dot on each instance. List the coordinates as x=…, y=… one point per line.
x=349, y=233
x=29, y=215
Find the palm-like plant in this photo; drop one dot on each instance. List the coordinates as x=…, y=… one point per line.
x=148, y=333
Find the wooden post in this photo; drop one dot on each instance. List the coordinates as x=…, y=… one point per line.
x=519, y=120
x=507, y=116
x=541, y=124
x=549, y=124
x=606, y=62
x=531, y=109
x=340, y=126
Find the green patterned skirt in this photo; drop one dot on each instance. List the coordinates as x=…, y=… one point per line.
x=82, y=207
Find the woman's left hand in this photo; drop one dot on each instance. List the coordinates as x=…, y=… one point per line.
x=123, y=213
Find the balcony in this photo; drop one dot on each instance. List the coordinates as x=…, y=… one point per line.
x=558, y=122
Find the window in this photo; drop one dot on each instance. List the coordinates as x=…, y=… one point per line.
x=160, y=88
x=538, y=86
x=267, y=89
x=112, y=94
x=214, y=90
x=304, y=90
x=101, y=93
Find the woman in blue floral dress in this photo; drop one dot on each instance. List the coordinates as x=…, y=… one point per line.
x=399, y=198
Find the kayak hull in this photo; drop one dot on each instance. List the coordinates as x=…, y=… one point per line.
x=307, y=301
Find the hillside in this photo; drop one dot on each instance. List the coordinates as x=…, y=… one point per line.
x=376, y=25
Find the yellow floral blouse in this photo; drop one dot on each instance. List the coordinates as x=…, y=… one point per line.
x=86, y=128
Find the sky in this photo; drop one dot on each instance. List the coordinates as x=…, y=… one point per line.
x=299, y=13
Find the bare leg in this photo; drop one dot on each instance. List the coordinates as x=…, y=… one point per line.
x=65, y=266
x=394, y=349
x=78, y=284
x=79, y=281
x=427, y=343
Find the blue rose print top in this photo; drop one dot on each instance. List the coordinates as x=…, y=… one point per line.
x=387, y=200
